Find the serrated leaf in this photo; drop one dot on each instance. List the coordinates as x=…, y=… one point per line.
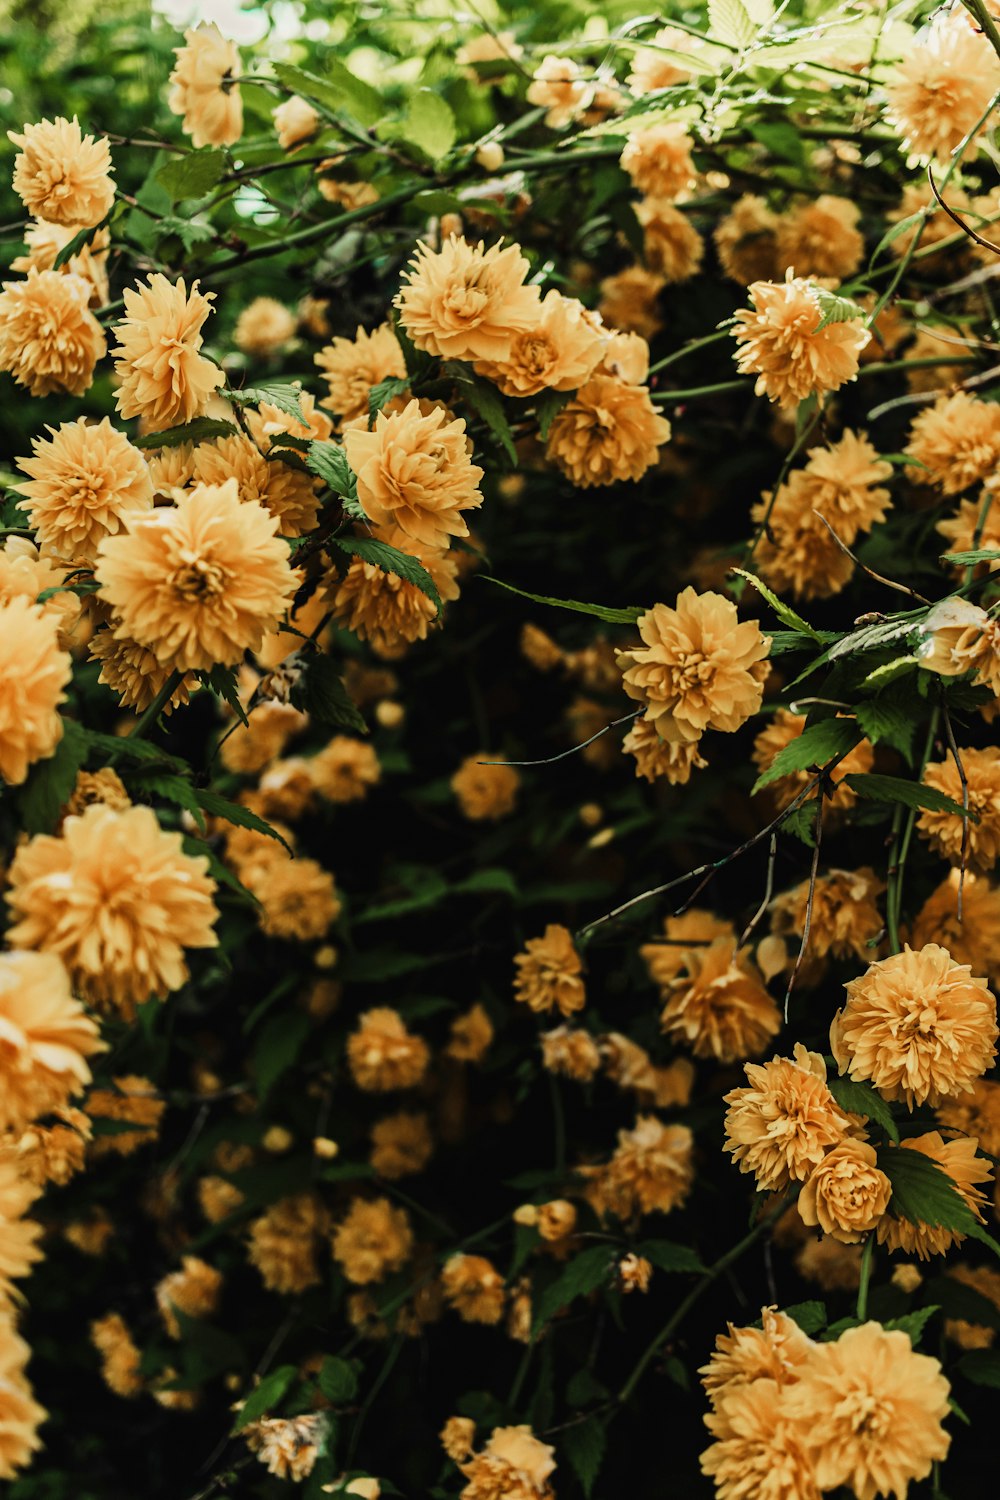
x=584, y=1445
x=429, y=124
x=861, y=1099
x=815, y=746
x=912, y=1324
x=485, y=402
x=192, y=175
x=190, y=232
x=176, y=789
x=801, y=824
x=391, y=560
x=810, y=1316
x=339, y=91
x=968, y=559
x=125, y=747
x=835, y=309
x=728, y=20
x=598, y=611
x=321, y=694
x=282, y=394
x=783, y=642
x=329, y=461
x=873, y=787
x=385, y=391
x=923, y=1192
x=786, y=614
x=882, y=633
x=266, y=1396
x=79, y=242
x=890, y=671
x=50, y=782
x=885, y=721
x=279, y=1042
x=580, y=1276
x=222, y=682
x=981, y=1367
x=201, y=430
x=236, y=813
x=667, y=1256
x=547, y=407
x=337, y=1380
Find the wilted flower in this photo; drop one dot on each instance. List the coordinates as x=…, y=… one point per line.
x=62, y=175
x=845, y=918
x=204, y=90
x=288, y=1447
x=782, y=343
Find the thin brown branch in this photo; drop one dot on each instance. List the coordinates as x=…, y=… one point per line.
x=810, y=901
x=901, y=588
x=751, y=926
x=956, y=218
x=550, y=759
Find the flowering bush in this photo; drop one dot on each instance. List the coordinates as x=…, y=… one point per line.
x=448, y=1023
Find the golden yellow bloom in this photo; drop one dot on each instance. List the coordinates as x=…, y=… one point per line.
x=559, y=87
x=870, y=1409
x=284, y=1242
x=466, y=302
x=917, y=1026
x=671, y=246
x=746, y=241
x=372, y=1240
x=944, y=830
x=249, y=748
x=608, y=433
x=133, y=1099
x=62, y=175
x=547, y=973
x=820, y=238
x=117, y=899
x=831, y=1265
x=699, y=667
x=941, y=88
x=193, y=1290
x=779, y=732
x=471, y=1035
x=651, y=1170
x=43, y=242
x=630, y=301
x=20, y=1413
x=401, y=1144
x=120, y=1358
x=212, y=113
x=558, y=352
x=133, y=671
x=485, y=792
x=298, y=897
x=695, y=928
x=784, y=1122
x=757, y=1450
x=458, y=1436
x=959, y=1160
x=18, y=1235
x=846, y=1195
x=264, y=327
x=474, y=1288
x=414, y=473
x=217, y=1199
x=653, y=69
x=381, y=607
x=345, y=769
x=514, y=1465
x=962, y=530
x=570, y=1052
x=656, y=757
x=958, y=637
x=49, y=339
x=976, y=939
x=45, y=1039
x=718, y=1004
x=658, y=160
x=26, y=574
x=53, y=1153
x=351, y=367
x=164, y=379
x=773, y=1352
x=976, y=1114
x=845, y=917
x=288, y=1447
x=295, y=121
x=288, y=494
x=782, y=343
x=348, y=195
x=957, y=440
x=33, y=675
x=86, y=482
x=201, y=582
x=269, y=424
x=383, y=1055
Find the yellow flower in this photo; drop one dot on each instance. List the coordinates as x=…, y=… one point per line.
x=382, y=1054
x=62, y=175
x=198, y=583
x=559, y=352
x=383, y=608
x=372, y=1240
x=570, y=1053
x=86, y=482
x=212, y=113
x=514, y=1465
x=164, y=380
x=695, y=928
x=295, y=121
x=471, y=1035
x=284, y=1242
x=466, y=302
x=117, y=900
x=757, y=1450
x=485, y=792
x=976, y=1114
x=45, y=1039
x=345, y=769
x=559, y=87
x=630, y=301
x=54, y=1153
x=547, y=973
x=671, y=246
x=288, y=1447
x=656, y=757
x=33, y=675
x=959, y=637
x=474, y=1288
x=718, y=1004
x=975, y=940
x=457, y=1437
x=49, y=339
x=773, y=1352
x=401, y=1144
x=288, y=494
x=699, y=667
x=784, y=1122
x=845, y=917
x=746, y=241
x=957, y=440
x=20, y=1414
x=264, y=327
x=959, y=1160
x=133, y=1099
x=820, y=238
x=782, y=343
x=44, y=242
x=653, y=68
x=944, y=830
x=651, y=1171
x=942, y=88
x=18, y=1235
x=134, y=672
x=917, y=1026
x=351, y=367
x=608, y=433
x=414, y=473
x=193, y=1290
x=658, y=160
x=120, y=1358
x=962, y=531
x=298, y=897
x=25, y=574
x=846, y=1195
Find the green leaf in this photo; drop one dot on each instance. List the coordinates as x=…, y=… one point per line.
x=835, y=309
x=50, y=782
x=810, y=1316
x=485, y=402
x=329, y=461
x=879, y=634
x=893, y=233
x=890, y=671
x=801, y=824
x=79, y=242
x=125, y=747
x=236, y=813
x=223, y=683
x=923, y=1193
x=957, y=1300
x=861, y=1099
x=385, y=391
x=190, y=232
x=279, y=1042
x=201, y=430
x=889, y=719
x=282, y=394
x=967, y=559
x=192, y=175
x=585, y=1444
x=667, y=1256
x=783, y=642
x=781, y=139
x=815, y=746
x=337, y=1380
x=429, y=124
x=598, y=611
x=981, y=1367
x=266, y=1396
x=428, y=886
x=912, y=1324
x=877, y=788
x=580, y=1276
x=391, y=560
x=176, y=789
x=339, y=91
x=786, y=614
x=321, y=694
x=547, y=407
x=728, y=20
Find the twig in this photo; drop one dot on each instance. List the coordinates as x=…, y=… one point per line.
x=810, y=902
x=548, y=760
x=772, y=855
x=901, y=588
x=986, y=244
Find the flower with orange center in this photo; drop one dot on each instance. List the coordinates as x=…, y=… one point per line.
x=203, y=89
x=917, y=1026
x=651, y=1171
x=957, y=442
x=351, y=367
x=781, y=731
x=49, y=339
x=775, y=1352
x=746, y=241
x=45, y=1039
x=870, y=1410
x=466, y=302
x=699, y=667
x=382, y=1054
x=958, y=637
x=846, y=1195
x=288, y=494
x=658, y=160
x=264, y=327
x=608, y=433
x=43, y=243
x=117, y=899
x=372, y=1240
x=958, y=1159
x=820, y=238
x=558, y=353
x=295, y=121
x=845, y=919
x=20, y=1414
x=199, y=583
x=86, y=481
x=782, y=343
x=547, y=973
x=947, y=832
x=383, y=608
x=414, y=473
x=33, y=675
x=62, y=175
x=784, y=1122
x=656, y=757
x=485, y=792
x=671, y=246
x=514, y=1465
x=757, y=1449
x=718, y=1004
x=163, y=378
x=474, y=1288
x=942, y=88
x=630, y=301
x=559, y=87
